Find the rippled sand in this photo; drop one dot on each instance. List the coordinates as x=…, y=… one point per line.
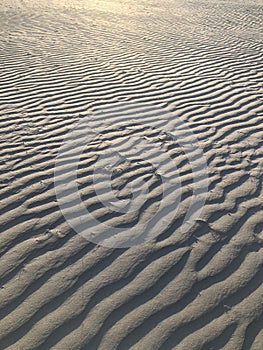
x=110, y=65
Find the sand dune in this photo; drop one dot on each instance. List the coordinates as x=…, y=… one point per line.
x=136, y=71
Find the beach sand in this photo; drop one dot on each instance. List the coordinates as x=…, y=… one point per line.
x=144, y=78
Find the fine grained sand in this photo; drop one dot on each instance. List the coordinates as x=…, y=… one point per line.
x=201, y=60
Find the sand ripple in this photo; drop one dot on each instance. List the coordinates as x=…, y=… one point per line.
x=202, y=62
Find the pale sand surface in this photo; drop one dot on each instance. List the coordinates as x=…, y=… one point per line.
x=201, y=60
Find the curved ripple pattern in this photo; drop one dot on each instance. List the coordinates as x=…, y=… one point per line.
x=160, y=74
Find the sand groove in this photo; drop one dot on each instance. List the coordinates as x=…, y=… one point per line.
x=203, y=63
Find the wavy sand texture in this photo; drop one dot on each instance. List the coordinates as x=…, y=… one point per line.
x=201, y=60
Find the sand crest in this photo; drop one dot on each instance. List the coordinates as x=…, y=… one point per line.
x=166, y=97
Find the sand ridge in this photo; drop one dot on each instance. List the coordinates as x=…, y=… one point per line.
x=202, y=61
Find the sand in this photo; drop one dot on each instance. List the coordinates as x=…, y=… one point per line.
x=152, y=92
